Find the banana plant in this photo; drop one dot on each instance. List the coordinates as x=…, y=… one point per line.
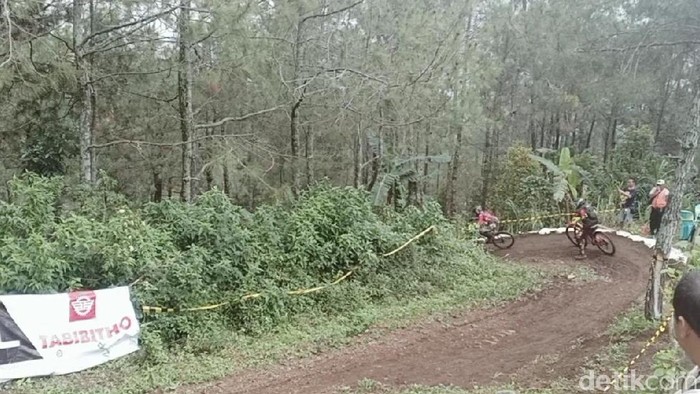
x=568, y=177
x=399, y=170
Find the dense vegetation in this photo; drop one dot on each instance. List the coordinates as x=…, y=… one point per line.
x=53, y=238
x=204, y=149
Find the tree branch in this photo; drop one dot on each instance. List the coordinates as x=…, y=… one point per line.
x=123, y=44
x=350, y=70
x=66, y=43
x=235, y=119
x=272, y=38
x=167, y=100
x=338, y=11
x=206, y=37
x=130, y=73
x=635, y=47
x=6, y=14
x=167, y=144
x=145, y=19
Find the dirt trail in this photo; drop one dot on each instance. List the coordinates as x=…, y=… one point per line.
x=538, y=338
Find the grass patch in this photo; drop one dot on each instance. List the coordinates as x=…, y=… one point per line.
x=373, y=387
x=303, y=335
x=630, y=325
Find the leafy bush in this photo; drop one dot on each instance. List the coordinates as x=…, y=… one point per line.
x=54, y=239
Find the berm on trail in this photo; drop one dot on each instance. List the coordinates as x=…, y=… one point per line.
x=542, y=336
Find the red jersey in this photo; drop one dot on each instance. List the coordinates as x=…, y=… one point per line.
x=486, y=217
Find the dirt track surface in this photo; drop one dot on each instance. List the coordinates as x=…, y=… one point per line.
x=543, y=336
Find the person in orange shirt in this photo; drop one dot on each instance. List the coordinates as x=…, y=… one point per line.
x=659, y=200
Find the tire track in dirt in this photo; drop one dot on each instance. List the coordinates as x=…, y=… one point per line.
x=540, y=337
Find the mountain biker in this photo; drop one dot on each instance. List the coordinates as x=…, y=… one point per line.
x=589, y=219
x=487, y=221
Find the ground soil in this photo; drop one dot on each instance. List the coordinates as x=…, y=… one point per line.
x=543, y=336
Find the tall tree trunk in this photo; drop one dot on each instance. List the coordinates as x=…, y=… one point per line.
x=251, y=185
x=543, y=127
x=357, y=157
x=425, y=165
x=454, y=168
x=590, y=134
x=366, y=151
x=486, y=168
x=552, y=132
x=413, y=191
x=377, y=153
x=171, y=186
x=158, y=185
x=209, y=176
x=184, y=93
x=533, y=134
x=574, y=126
x=309, y=154
x=298, y=95
x=613, y=136
x=294, y=139
x=86, y=93
x=93, y=118
x=662, y=110
x=606, y=141
x=653, y=306
x=227, y=180
x=557, y=139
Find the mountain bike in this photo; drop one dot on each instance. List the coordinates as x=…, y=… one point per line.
x=574, y=231
x=499, y=239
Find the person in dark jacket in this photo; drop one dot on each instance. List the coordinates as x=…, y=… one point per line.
x=628, y=197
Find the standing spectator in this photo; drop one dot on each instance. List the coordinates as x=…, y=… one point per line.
x=686, y=326
x=629, y=202
x=659, y=201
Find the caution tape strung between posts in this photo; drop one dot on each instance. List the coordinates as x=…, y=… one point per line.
x=156, y=309
x=549, y=216
x=662, y=328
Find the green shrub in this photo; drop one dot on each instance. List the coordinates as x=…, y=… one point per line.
x=53, y=239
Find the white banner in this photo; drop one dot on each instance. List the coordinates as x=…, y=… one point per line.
x=55, y=334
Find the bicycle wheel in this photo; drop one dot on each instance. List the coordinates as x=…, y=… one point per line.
x=503, y=240
x=604, y=243
x=574, y=234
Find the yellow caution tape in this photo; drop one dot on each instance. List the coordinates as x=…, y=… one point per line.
x=410, y=241
x=549, y=216
x=156, y=309
x=662, y=328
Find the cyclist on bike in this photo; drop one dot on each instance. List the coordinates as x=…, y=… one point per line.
x=487, y=221
x=589, y=219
